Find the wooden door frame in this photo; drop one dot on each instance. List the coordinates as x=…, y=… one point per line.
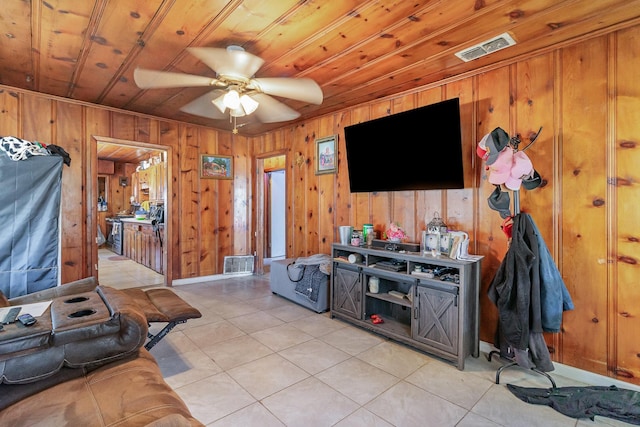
x=261, y=198
x=92, y=209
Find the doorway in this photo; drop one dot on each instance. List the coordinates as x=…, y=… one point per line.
x=123, y=164
x=276, y=213
x=271, y=218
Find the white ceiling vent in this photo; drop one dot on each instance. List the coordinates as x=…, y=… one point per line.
x=486, y=47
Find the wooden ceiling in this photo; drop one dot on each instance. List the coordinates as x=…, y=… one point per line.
x=125, y=153
x=357, y=51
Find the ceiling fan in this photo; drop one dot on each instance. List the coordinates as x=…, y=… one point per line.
x=235, y=88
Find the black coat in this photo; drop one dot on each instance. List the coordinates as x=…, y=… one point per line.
x=515, y=290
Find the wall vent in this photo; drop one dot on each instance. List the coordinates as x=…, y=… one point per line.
x=238, y=264
x=486, y=47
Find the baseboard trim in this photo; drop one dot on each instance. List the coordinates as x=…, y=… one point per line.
x=576, y=373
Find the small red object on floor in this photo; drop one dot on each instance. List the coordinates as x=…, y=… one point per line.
x=375, y=319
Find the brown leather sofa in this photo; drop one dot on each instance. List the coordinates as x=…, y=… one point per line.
x=83, y=363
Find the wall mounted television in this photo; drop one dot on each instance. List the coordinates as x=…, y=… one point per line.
x=419, y=149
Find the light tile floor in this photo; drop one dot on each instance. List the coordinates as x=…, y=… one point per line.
x=256, y=359
x=119, y=272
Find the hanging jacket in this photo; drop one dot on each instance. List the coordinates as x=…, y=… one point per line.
x=515, y=289
x=530, y=295
x=554, y=295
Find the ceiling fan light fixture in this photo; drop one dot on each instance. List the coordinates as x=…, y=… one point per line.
x=237, y=112
x=219, y=103
x=232, y=99
x=248, y=104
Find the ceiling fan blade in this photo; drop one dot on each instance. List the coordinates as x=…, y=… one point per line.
x=152, y=79
x=304, y=89
x=232, y=61
x=271, y=110
x=202, y=106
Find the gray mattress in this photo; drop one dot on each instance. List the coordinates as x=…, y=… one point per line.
x=283, y=286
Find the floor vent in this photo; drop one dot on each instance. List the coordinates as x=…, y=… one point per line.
x=238, y=264
x=486, y=47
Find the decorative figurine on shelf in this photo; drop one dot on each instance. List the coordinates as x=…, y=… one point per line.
x=436, y=228
x=395, y=233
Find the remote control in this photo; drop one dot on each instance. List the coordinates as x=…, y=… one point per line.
x=27, y=319
x=11, y=315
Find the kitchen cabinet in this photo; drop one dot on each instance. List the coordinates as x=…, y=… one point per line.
x=149, y=184
x=427, y=302
x=143, y=244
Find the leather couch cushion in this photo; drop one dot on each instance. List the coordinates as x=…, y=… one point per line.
x=128, y=392
x=86, y=329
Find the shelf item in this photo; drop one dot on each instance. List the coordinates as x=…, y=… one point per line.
x=428, y=310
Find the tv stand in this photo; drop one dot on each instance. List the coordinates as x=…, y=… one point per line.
x=427, y=302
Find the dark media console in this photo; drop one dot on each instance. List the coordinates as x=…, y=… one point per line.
x=427, y=302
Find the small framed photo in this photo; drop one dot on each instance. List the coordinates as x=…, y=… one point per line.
x=327, y=155
x=216, y=166
x=445, y=243
x=431, y=242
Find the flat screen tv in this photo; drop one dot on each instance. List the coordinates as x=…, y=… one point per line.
x=419, y=149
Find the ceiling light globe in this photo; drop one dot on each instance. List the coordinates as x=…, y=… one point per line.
x=232, y=99
x=248, y=104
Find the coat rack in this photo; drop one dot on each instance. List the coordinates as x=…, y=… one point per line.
x=515, y=142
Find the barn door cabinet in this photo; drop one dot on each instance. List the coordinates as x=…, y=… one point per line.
x=438, y=315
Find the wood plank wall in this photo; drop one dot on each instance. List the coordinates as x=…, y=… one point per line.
x=587, y=98
x=209, y=218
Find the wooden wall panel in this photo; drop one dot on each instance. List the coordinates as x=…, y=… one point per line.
x=76, y=259
x=585, y=202
x=169, y=134
x=626, y=176
x=189, y=200
x=209, y=208
x=142, y=130
x=9, y=112
x=493, y=108
x=326, y=192
x=37, y=119
x=241, y=238
x=224, y=200
x=311, y=203
x=343, y=197
x=534, y=100
x=297, y=211
x=459, y=213
x=97, y=122
x=123, y=126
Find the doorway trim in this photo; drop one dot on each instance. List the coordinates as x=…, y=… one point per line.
x=92, y=179
x=261, y=214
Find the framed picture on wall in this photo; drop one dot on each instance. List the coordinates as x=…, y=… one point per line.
x=327, y=155
x=216, y=166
